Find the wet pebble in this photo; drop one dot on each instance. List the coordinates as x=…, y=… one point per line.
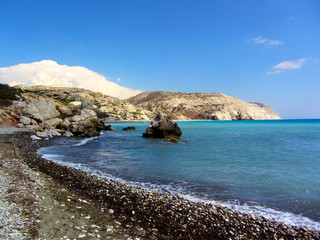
x=82, y=236
x=165, y=216
x=110, y=211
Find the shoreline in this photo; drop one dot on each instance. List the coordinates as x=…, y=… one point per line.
x=161, y=216
x=269, y=212
x=206, y=120
x=35, y=206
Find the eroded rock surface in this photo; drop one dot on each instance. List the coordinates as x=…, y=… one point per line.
x=41, y=109
x=70, y=101
x=211, y=106
x=162, y=127
x=86, y=124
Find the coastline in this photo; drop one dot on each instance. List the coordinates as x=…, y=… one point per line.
x=195, y=120
x=35, y=206
x=150, y=215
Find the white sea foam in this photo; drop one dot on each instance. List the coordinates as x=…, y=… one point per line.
x=52, y=157
x=287, y=218
x=269, y=213
x=80, y=166
x=181, y=188
x=85, y=141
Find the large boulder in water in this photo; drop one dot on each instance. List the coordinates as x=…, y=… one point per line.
x=162, y=127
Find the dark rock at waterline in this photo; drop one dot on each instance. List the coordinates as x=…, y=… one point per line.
x=108, y=128
x=86, y=124
x=129, y=128
x=162, y=127
x=172, y=140
x=90, y=127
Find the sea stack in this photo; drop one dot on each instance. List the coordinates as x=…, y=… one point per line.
x=162, y=127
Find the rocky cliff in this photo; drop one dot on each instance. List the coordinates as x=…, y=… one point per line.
x=214, y=106
x=56, y=111
x=69, y=101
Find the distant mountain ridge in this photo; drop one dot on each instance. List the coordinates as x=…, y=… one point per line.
x=214, y=106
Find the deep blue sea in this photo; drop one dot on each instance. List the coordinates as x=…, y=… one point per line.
x=269, y=168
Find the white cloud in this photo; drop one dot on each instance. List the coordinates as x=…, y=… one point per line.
x=274, y=72
x=48, y=72
x=265, y=41
x=286, y=65
x=274, y=42
x=291, y=64
x=259, y=40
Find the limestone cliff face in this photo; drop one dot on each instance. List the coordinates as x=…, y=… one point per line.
x=69, y=101
x=214, y=106
x=177, y=105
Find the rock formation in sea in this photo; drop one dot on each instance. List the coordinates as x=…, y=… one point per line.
x=213, y=106
x=130, y=128
x=162, y=127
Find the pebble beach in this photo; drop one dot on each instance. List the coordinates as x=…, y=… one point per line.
x=40, y=199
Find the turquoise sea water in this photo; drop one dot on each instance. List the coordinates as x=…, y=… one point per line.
x=270, y=168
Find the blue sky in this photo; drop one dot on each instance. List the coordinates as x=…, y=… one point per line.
x=263, y=51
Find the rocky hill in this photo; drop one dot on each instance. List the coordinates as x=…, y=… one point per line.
x=56, y=111
x=69, y=100
x=178, y=105
x=214, y=106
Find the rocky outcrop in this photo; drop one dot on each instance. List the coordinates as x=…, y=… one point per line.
x=80, y=112
x=162, y=127
x=108, y=128
x=213, y=106
x=130, y=128
x=86, y=124
x=54, y=122
x=25, y=120
x=49, y=132
x=177, y=105
x=38, y=113
x=69, y=102
x=40, y=109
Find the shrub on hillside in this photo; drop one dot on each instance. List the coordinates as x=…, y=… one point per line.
x=8, y=94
